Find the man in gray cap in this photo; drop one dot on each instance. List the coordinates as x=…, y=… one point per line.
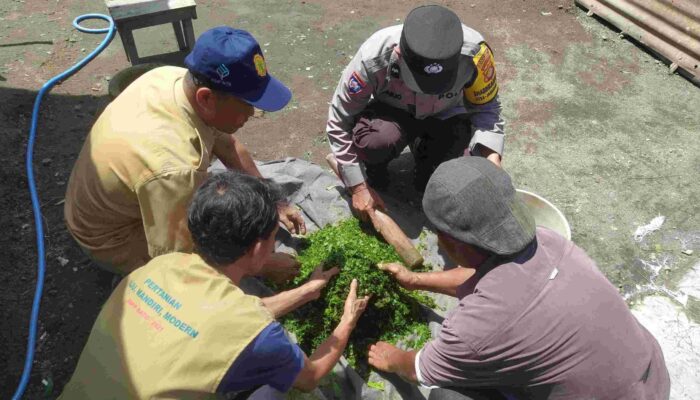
x=429, y=84
x=536, y=318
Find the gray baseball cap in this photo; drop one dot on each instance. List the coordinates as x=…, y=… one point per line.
x=472, y=200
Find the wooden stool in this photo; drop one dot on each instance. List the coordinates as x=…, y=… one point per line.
x=135, y=14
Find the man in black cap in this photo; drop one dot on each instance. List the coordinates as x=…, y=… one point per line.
x=536, y=318
x=429, y=84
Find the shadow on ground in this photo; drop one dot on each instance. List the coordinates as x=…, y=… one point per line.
x=74, y=289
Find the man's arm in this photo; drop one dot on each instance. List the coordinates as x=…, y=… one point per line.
x=270, y=359
x=324, y=358
x=163, y=202
x=350, y=99
x=289, y=300
x=445, y=282
x=328, y=353
x=484, y=108
x=351, y=96
x=234, y=155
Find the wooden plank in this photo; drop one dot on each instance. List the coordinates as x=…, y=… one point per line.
x=122, y=9
x=163, y=17
x=181, y=43
x=189, y=33
x=129, y=45
x=174, y=58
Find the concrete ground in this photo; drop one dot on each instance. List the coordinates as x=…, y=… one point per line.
x=594, y=124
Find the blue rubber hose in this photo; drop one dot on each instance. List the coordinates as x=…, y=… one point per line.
x=41, y=256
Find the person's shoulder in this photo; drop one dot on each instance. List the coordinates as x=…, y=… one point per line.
x=472, y=41
x=172, y=260
x=166, y=73
x=146, y=105
x=376, y=51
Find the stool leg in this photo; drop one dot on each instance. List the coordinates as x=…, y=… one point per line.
x=129, y=45
x=189, y=33
x=177, y=27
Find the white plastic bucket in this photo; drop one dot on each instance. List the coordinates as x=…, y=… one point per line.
x=545, y=213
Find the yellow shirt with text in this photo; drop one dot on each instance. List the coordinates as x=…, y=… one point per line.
x=170, y=330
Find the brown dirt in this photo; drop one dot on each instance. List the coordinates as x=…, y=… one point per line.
x=503, y=24
x=532, y=115
x=609, y=77
x=298, y=133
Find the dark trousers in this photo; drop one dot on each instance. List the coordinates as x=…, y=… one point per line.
x=382, y=132
x=465, y=394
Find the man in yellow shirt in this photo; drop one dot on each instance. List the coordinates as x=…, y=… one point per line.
x=150, y=149
x=180, y=327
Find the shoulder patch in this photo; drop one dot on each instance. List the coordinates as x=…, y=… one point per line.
x=355, y=83
x=484, y=87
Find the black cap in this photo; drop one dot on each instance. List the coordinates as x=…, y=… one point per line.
x=431, y=42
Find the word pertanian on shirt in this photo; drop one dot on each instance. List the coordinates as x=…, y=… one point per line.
x=151, y=303
x=162, y=293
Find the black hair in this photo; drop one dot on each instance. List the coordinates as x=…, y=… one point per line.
x=229, y=213
x=200, y=81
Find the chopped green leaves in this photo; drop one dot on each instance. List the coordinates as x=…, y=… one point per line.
x=393, y=312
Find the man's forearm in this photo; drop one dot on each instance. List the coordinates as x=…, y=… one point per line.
x=328, y=353
x=288, y=301
x=323, y=358
x=234, y=155
x=406, y=366
x=445, y=282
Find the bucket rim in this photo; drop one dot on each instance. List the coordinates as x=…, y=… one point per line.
x=561, y=215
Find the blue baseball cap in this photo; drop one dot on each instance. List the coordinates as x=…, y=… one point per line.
x=230, y=61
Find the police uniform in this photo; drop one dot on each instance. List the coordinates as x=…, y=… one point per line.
x=378, y=107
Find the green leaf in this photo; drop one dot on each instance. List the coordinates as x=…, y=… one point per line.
x=393, y=313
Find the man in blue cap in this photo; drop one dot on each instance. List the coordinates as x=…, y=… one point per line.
x=150, y=150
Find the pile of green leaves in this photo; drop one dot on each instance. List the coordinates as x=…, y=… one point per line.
x=393, y=313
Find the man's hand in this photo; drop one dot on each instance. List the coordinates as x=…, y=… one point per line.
x=291, y=218
x=385, y=357
x=365, y=200
x=280, y=268
x=319, y=279
x=403, y=276
x=354, y=307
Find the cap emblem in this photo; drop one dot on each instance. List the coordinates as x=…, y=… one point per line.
x=260, y=67
x=222, y=71
x=433, y=68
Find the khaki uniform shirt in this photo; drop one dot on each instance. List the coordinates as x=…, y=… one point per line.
x=145, y=156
